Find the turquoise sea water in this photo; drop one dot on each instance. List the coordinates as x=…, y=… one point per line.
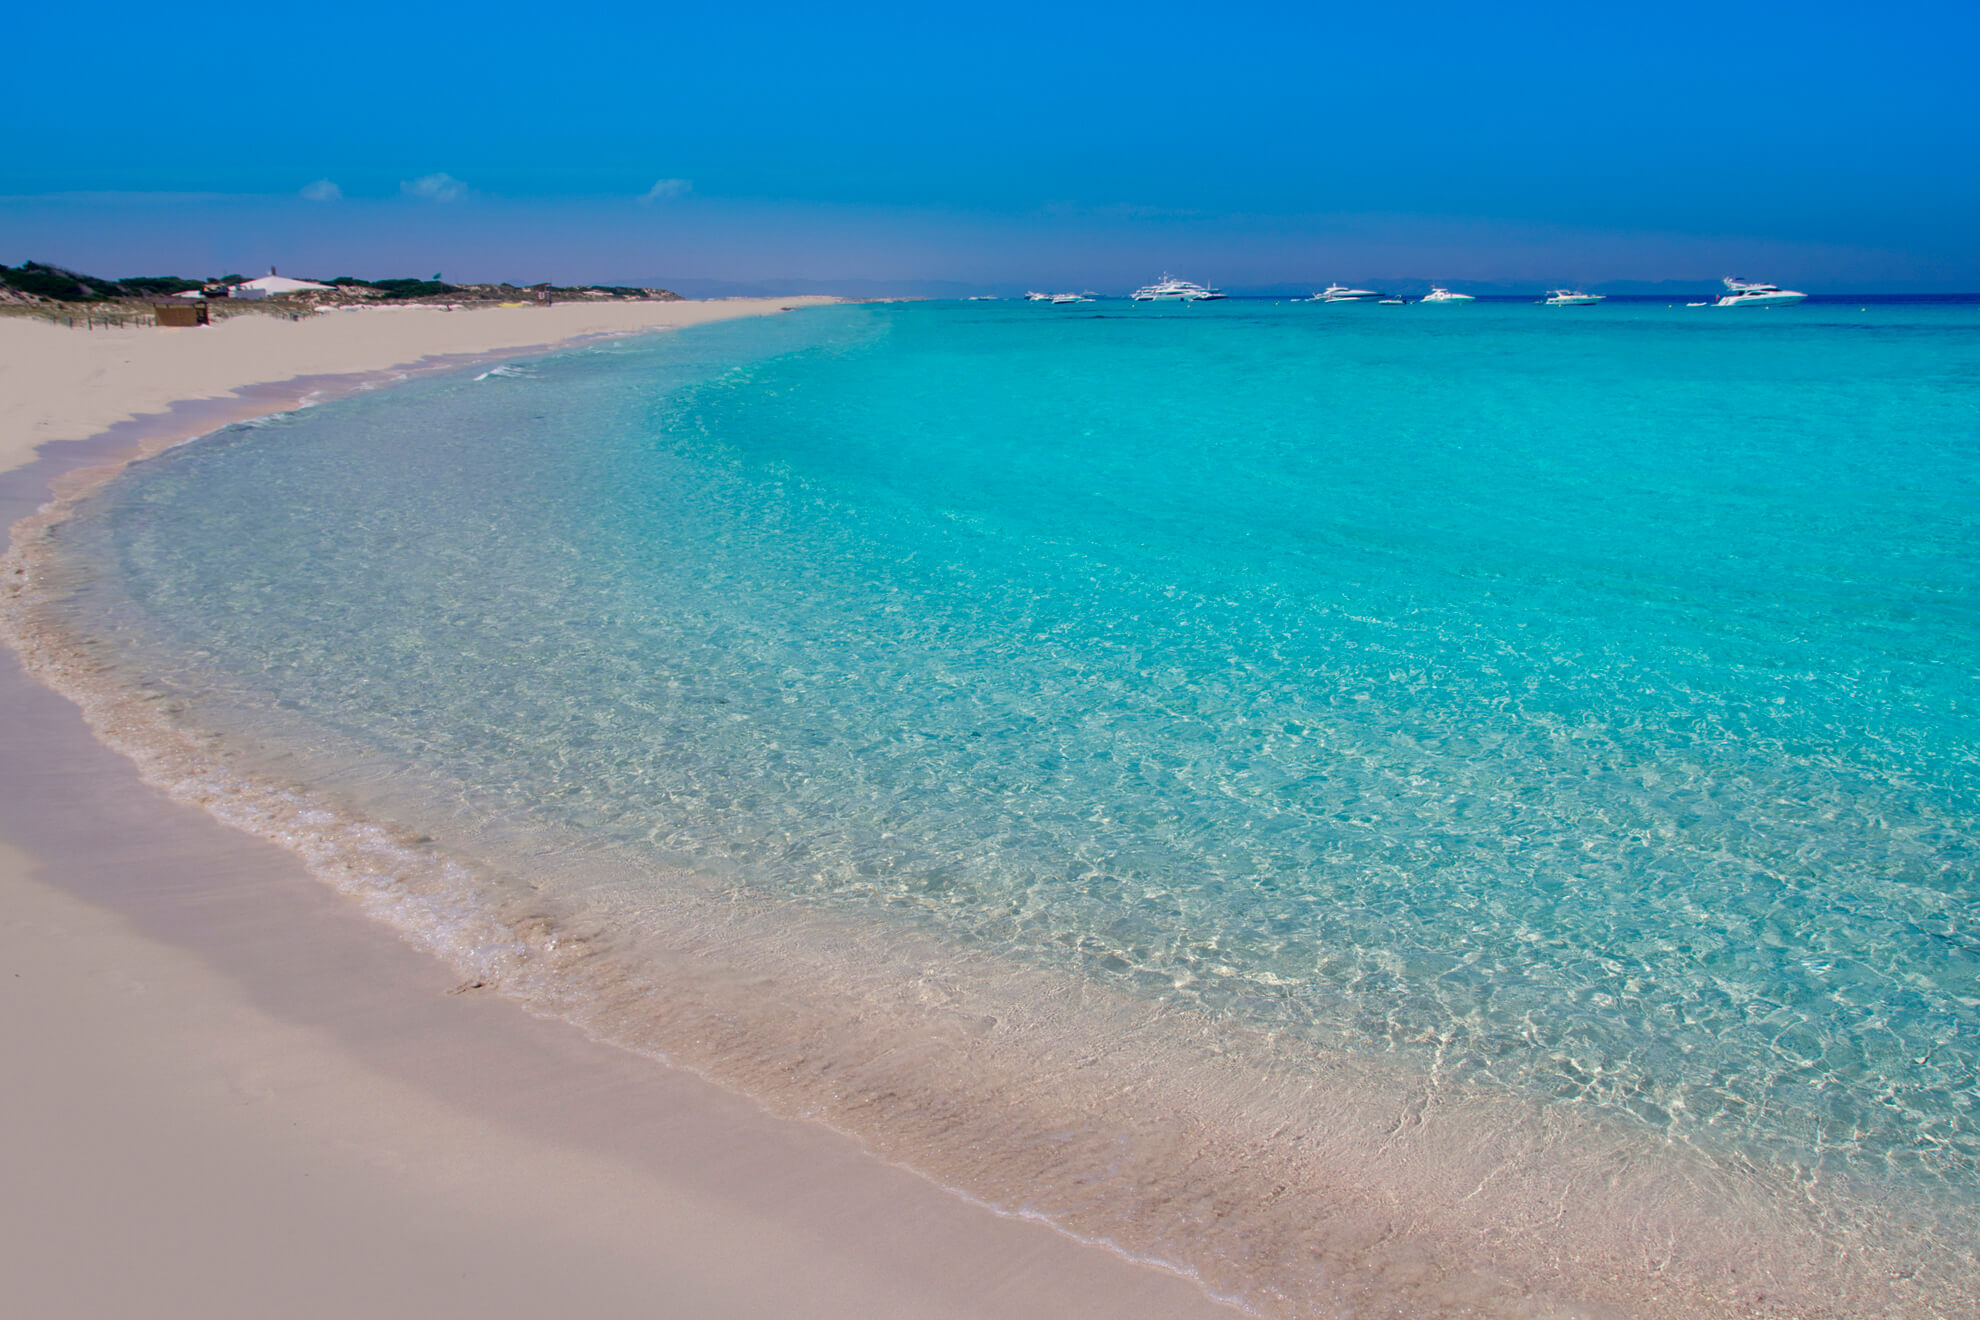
x=1580, y=703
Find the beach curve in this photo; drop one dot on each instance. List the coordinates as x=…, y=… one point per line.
x=1401, y=1239
x=296, y=1084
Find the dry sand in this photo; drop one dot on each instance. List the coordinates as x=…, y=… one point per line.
x=226, y=1093
x=62, y=384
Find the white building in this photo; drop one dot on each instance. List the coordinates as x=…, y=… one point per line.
x=272, y=285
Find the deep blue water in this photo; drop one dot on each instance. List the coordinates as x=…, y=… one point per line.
x=1586, y=700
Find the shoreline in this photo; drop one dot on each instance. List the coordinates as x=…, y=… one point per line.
x=1358, y=1194
x=54, y=388
x=234, y=1074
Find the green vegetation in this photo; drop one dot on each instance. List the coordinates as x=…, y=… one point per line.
x=45, y=281
x=53, y=282
x=401, y=288
x=156, y=286
x=412, y=288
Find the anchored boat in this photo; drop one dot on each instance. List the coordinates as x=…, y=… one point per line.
x=1751, y=293
x=1171, y=289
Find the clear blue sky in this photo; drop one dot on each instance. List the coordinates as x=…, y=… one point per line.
x=1835, y=145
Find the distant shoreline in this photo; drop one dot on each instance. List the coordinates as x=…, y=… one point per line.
x=57, y=384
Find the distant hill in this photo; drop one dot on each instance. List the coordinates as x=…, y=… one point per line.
x=39, y=280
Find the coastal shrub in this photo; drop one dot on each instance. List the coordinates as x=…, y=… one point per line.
x=412, y=288
x=151, y=286
x=53, y=282
x=46, y=281
x=615, y=290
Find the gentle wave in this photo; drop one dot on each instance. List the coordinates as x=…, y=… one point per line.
x=1250, y=1139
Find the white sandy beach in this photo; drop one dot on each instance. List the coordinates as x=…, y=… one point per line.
x=60, y=384
x=228, y=1093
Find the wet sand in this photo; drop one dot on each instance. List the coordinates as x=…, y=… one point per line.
x=230, y=1093
x=307, y=1093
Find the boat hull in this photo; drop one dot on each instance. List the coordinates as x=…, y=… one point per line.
x=1764, y=300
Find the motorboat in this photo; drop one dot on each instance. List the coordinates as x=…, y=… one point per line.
x=1060, y=299
x=1749, y=293
x=1171, y=289
x=1439, y=294
x=1341, y=293
x=1572, y=298
x=1035, y=296
x=1395, y=302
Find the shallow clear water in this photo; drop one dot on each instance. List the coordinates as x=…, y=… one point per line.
x=1579, y=701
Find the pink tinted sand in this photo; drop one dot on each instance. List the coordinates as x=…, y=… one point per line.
x=228, y=1093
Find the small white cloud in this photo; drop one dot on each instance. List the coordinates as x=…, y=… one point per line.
x=665, y=190
x=435, y=188
x=323, y=191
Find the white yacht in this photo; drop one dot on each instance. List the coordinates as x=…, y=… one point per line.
x=1438, y=293
x=1341, y=293
x=1748, y=293
x=1060, y=299
x=1035, y=296
x=1572, y=298
x=1171, y=289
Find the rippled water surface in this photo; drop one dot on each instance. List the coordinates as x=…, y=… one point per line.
x=1579, y=700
